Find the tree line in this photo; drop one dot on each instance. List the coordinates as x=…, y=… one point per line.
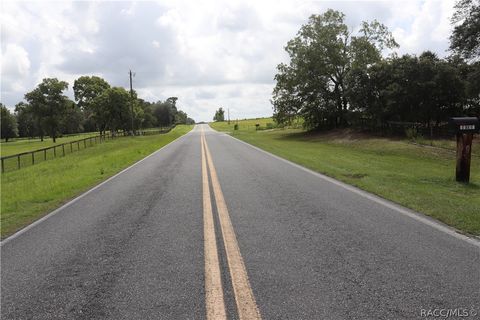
x=337, y=78
x=97, y=107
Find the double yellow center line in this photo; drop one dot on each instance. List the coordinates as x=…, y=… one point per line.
x=215, y=304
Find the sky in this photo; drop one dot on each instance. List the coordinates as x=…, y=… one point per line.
x=209, y=54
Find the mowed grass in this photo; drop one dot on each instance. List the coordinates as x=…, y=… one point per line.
x=24, y=145
x=419, y=177
x=30, y=193
x=250, y=125
x=244, y=125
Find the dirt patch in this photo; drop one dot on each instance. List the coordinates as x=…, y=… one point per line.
x=339, y=135
x=356, y=175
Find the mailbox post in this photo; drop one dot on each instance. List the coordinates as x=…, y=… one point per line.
x=464, y=128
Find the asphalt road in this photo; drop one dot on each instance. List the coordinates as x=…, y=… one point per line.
x=284, y=244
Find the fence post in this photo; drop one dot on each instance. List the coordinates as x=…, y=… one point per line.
x=3, y=166
x=84, y=143
x=33, y=158
x=18, y=161
x=63, y=149
x=78, y=145
x=54, y=151
x=45, y=154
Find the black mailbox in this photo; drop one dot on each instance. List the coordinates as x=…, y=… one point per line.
x=465, y=124
x=464, y=129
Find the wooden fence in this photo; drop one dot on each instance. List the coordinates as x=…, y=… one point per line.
x=25, y=159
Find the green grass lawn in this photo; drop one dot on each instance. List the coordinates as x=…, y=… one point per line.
x=418, y=177
x=30, y=193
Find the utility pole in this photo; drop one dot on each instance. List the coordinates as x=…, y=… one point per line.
x=131, y=99
x=228, y=114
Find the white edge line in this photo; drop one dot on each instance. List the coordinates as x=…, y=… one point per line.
x=405, y=211
x=54, y=212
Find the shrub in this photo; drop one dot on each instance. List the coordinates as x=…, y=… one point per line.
x=411, y=133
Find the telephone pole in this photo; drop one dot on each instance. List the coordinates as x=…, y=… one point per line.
x=131, y=99
x=228, y=114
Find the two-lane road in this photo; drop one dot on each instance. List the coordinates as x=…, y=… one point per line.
x=211, y=227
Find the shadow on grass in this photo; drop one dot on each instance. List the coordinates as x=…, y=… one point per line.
x=469, y=186
x=326, y=135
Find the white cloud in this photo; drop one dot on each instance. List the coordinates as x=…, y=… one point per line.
x=15, y=69
x=208, y=53
x=15, y=62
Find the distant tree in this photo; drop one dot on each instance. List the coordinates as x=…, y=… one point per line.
x=26, y=120
x=190, y=121
x=173, y=102
x=148, y=119
x=138, y=115
x=219, y=115
x=465, y=39
x=86, y=90
x=181, y=117
x=113, y=109
x=89, y=123
x=73, y=119
x=167, y=114
x=164, y=113
x=49, y=105
x=8, y=124
x=323, y=56
x=471, y=74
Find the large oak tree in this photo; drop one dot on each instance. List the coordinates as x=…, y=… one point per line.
x=323, y=56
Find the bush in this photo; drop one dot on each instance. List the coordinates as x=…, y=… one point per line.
x=235, y=127
x=412, y=133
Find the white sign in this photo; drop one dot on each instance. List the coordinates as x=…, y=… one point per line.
x=467, y=127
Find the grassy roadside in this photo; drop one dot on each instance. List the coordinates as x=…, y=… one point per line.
x=418, y=177
x=30, y=193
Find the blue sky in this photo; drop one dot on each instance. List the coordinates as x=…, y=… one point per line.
x=208, y=53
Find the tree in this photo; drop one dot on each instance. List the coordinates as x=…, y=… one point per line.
x=73, y=119
x=323, y=56
x=49, y=105
x=164, y=113
x=149, y=120
x=472, y=91
x=8, y=124
x=181, y=117
x=25, y=120
x=87, y=90
x=219, y=115
x=465, y=39
x=113, y=109
x=424, y=90
x=173, y=102
x=138, y=115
